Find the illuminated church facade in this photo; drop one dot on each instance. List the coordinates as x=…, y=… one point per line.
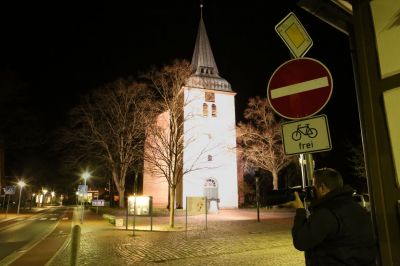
x=209, y=136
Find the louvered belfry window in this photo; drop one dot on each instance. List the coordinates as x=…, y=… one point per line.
x=205, y=109
x=214, y=110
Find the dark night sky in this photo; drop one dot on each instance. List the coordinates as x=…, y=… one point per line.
x=62, y=49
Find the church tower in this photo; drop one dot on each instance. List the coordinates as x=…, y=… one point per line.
x=211, y=129
x=209, y=134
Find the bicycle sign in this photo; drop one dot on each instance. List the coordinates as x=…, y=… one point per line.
x=306, y=136
x=305, y=130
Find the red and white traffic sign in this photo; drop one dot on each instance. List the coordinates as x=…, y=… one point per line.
x=300, y=88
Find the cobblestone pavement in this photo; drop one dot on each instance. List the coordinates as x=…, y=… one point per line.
x=233, y=237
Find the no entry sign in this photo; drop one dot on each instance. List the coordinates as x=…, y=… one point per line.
x=300, y=88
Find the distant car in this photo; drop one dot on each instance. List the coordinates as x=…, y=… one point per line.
x=363, y=200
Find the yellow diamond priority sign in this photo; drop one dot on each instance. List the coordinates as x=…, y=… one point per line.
x=294, y=35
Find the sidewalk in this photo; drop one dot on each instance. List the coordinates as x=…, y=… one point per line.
x=233, y=237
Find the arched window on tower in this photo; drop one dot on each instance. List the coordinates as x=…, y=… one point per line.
x=214, y=110
x=205, y=109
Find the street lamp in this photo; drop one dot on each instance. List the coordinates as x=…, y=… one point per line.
x=21, y=184
x=52, y=197
x=33, y=196
x=77, y=196
x=44, y=196
x=85, y=176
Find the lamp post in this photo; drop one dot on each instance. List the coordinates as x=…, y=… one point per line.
x=85, y=176
x=21, y=184
x=44, y=196
x=33, y=196
x=52, y=197
x=258, y=195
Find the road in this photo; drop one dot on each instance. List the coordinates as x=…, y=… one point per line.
x=22, y=232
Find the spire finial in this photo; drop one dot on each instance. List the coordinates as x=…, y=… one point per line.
x=201, y=8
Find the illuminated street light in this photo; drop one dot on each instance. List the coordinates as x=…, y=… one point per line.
x=44, y=196
x=33, y=196
x=85, y=176
x=52, y=197
x=77, y=196
x=21, y=184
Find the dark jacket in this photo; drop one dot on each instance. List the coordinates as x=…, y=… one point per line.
x=337, y=232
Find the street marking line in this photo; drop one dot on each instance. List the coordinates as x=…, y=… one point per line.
x=42, y=219
x=304, y=86
x=53, y=219
x=65, y=218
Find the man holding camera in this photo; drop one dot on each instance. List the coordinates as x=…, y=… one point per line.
x=338, y=231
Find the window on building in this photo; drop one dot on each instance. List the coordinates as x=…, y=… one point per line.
x=214, y=110
x=209, y=96
x=205, y=109
x=210, y=158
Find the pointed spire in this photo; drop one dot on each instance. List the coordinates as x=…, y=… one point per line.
x=204, y=69
x=203, y=60
x=201, y=8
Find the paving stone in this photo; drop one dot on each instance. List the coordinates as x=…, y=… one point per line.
x=226, y=242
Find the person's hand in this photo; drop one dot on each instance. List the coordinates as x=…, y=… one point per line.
x=296, y=203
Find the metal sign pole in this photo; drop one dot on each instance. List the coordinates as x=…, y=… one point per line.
x=127, y=217
x=8, y=203
x=310, y=168
x=4, y=199
x=134, y=217
x=258, y=196
x=205, y=204
x=82, y=209
x=19, y=199
x=310, y=174
x=151, y=213
x=303, y=176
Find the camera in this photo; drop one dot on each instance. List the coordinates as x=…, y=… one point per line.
x=278, y=197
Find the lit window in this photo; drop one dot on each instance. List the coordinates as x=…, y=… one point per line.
x=210, y=158
x=205, y=109
x=214, y=110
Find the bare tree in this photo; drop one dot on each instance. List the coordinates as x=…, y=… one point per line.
x=356, y=160
x=260, y=139
x=165, y=142
x=108, y=128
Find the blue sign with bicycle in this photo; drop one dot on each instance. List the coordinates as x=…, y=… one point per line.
x=306, y=136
